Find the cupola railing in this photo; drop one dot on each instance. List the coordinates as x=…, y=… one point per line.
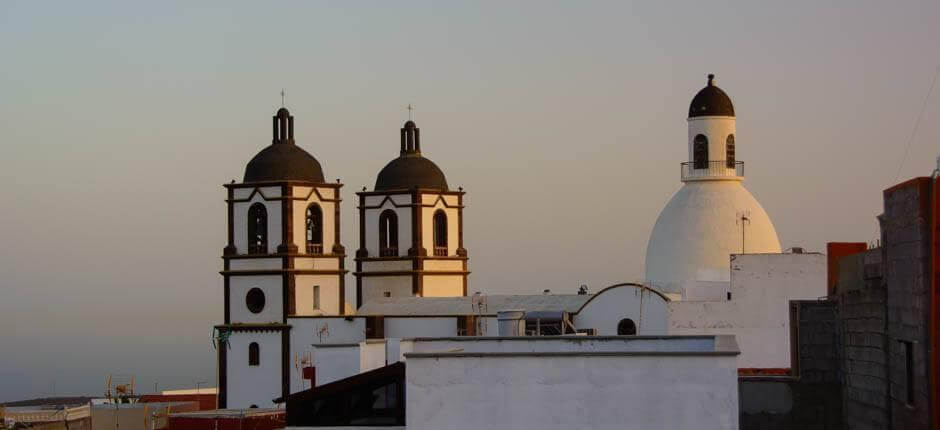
x=701, y=170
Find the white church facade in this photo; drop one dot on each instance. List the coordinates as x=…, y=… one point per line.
x=287, y=326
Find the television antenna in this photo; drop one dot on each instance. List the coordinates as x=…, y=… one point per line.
x=478, y=303
x=743, y=219
x=120, y=389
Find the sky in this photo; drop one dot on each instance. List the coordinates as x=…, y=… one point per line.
x=563, y=121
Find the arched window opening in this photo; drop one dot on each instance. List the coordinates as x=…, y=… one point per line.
x=314, y=229
x=388, y=234
x=626, y=327
x=700, y=152
x=440, y=233
x=729, y=151
x=257, y=229
x=254, y=354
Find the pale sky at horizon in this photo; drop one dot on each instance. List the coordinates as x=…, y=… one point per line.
x=563, y=121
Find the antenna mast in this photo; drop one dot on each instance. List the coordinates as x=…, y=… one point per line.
x=743, y=219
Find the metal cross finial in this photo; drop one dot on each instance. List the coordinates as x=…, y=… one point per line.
x=282, y=97
x=410, y=108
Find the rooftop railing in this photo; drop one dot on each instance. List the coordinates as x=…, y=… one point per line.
x=693, y=171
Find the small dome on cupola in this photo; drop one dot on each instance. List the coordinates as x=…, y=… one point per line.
x=283, y=160
x=410, y=169
x=711, y=101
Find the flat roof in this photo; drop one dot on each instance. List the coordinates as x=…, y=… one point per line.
x=229, y=413
x=452, y=306
x=561, y=346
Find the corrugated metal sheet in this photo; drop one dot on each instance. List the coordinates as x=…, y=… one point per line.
x=445, y=306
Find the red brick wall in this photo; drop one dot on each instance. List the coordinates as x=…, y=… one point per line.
x=206, y=401
x=259, y=422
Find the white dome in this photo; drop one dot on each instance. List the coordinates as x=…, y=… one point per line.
x=698, y=230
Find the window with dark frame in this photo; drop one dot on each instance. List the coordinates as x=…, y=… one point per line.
x=388, y=234
x=729, y=151
x=314, y=229
x=909, y=371
x=440, y=233
x=254, y=354
x=257, y=229
x=626, y=327
x=316, y=297
x=700, y=152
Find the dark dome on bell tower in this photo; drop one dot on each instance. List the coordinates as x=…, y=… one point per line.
x=283, y=160
x=711, y=101
x=410, y=169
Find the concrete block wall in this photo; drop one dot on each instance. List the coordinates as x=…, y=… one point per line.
x=812, y=397
x=905, y=227
x=862, y=309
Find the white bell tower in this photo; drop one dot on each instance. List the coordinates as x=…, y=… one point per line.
x=283, y=259
x=411, y=230
x=712, y=216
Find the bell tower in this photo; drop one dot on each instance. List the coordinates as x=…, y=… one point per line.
x=712, y=153
x=410, y=230
x=283, y=259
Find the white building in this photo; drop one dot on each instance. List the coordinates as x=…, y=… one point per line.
x=544, y=382
x=286, y=325
x=754, y=306
x=713, y=267
x=712, y=216
x=715, y=252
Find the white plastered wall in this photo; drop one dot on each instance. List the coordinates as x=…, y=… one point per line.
x=604, y=311
x=716, y=129
x=336, y=362
x=442, y=285
x=253, y=385
x=758, y=313
x=271, y=285
x=307, y=332
x=374, y=287
x=329, y=294
x=372, y=221
x=572, y=392
x=240, y=216
x=402, y=327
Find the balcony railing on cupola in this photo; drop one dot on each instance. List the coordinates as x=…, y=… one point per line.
x=718, y=169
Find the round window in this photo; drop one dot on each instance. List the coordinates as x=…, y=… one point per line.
x=255, y=300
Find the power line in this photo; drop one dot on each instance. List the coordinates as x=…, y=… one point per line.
x=917, y=124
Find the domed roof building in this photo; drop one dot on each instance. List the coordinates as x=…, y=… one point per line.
x=712, y=216
x=410, y=169
x=283, y=160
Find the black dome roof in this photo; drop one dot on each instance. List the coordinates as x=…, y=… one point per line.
x=283, y=160
x=410, y=171
x=711, y=101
